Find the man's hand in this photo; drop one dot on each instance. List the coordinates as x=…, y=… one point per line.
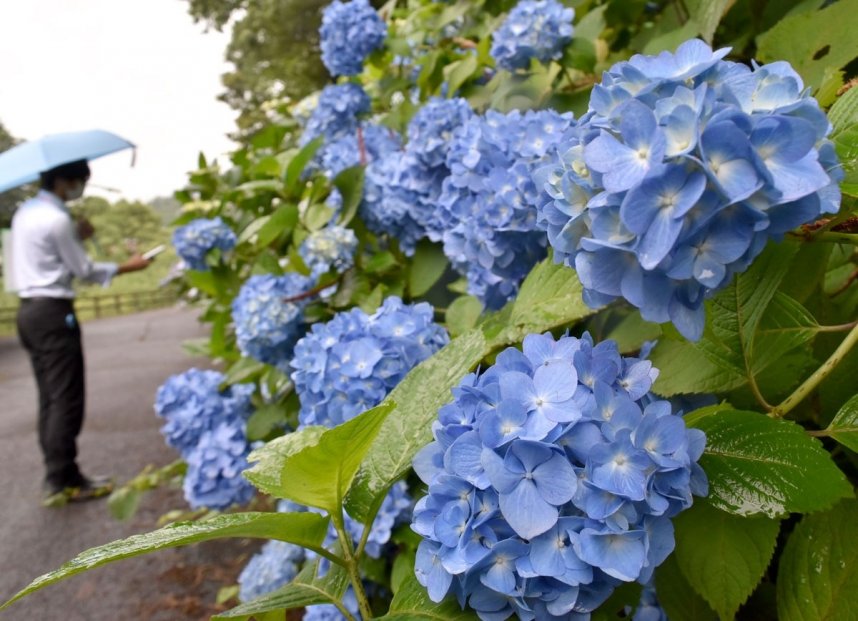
x=134, y=264
x=85, y=230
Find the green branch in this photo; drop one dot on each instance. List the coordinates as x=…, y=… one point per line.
x=820, y=374
x=352, y=566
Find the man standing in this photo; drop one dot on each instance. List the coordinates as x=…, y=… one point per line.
x=47, y=256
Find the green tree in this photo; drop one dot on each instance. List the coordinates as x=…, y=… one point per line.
x=123, y=228
x=274, y=51
x=10, y=200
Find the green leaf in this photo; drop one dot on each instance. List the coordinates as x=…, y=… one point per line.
x=679, y=600
x=412, y=602
x=244, y=369
x=428, y=265
x=463, y=314
x=844, y=112
x=846, y=145
x=733, y=316
x=723, y=556
x=550, y=297
x=785, y=326
x=844, y=427
x=304, y=529
x=813, y=41
x=760, y=465
x=818, y=572
x=457, y=73
x=306, y=589
x=350, y=184
x=684, y=369
x=281, y=221
x=315, y=466
x=299, y=163
x=264, y=420
x=707, y=14
x=123, y=503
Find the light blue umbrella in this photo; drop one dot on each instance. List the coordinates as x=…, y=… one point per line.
x=22, y=163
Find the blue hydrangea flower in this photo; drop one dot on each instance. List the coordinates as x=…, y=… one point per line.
x=369, y=143
x=402, y=190
x=194, y=240
x=267, y=326
x=329, y=612
x=537, y=29
x=271, y=568
x=489, y=200
x=213, y=479
x=553, y=478
x=349, y=32
x=332, y=247
x=336, y=113
x=193, y=403
x=349, y=364
x=648, y=609
x=685, y=166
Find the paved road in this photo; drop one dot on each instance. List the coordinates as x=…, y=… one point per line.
x=127, y=359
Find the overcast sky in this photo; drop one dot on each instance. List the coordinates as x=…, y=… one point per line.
x=139, y=68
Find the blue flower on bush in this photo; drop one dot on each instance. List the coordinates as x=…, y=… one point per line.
x=349, y=32
x=332, y=247
x=685, y=166
x=213, y=479
x=271, y=568
x=537, y=29
x=648, y=609
x=194, y=240
x=329, y=612
x=368, y=144
x=402, y=190
x=349, y=364
x=266, y=325
x=193, y=403
x=489, y=199
x=553, y=477
x=336, y=113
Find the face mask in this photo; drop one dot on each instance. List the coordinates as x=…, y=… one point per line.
x=74, y=193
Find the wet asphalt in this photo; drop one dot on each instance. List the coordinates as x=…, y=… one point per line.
x=127, y=359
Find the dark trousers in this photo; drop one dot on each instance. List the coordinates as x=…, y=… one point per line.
x=48, y=330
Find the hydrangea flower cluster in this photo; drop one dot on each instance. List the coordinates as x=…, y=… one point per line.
x=401, y=191
x=329, y=612
x=491, y=197
x=349, y=364
x=332, y=247
x=336, y=113
x=214, y=478
x=345, y=152
x=349, y=32
x=648, y=609
x=194, y=240
x=685, y=166
x=553, y=477
x=266, y=325
x=537, y=29
x=192, y=403
x=271, y=568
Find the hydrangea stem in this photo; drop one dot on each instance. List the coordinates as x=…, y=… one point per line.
x=352, y=567
x=820, y=374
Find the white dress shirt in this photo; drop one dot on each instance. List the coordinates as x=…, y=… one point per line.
x=47, y=253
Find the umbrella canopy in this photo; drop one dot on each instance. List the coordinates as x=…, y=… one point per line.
x=22, y=163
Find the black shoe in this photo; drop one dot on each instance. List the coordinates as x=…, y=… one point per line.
x=87, y=489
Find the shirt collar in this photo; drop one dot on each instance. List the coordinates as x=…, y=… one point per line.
x=50, y=197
